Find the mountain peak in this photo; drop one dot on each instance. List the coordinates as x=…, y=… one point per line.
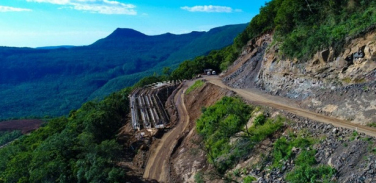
x=126, y=33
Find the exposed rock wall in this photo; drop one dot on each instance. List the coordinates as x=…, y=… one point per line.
x=246, y=69
x=340, y=85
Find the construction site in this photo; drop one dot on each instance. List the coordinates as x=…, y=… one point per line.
x=147, y=105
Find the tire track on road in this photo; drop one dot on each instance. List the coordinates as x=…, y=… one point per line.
x=158, y=165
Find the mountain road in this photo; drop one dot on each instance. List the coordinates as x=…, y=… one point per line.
x=257, y=97
x=158, y=165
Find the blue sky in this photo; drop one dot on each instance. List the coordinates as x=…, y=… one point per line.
x=33, y=23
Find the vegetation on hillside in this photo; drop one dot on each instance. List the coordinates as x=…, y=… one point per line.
x=305, y=27
x=220, y=122
x=78, y=148
x=40, y=82
x=302, y=27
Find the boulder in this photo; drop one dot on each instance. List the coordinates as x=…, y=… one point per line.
x=341, y=63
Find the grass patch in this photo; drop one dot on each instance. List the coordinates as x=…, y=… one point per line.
x=249, y=179
x=197, y=84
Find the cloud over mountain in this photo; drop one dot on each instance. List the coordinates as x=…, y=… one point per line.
x=209, y=9
x=94, y=6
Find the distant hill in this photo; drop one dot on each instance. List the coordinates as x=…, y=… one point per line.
x=54, y=80
x=55, y=47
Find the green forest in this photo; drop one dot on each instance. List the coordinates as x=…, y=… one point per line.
x=78, y=148
x=51, y=82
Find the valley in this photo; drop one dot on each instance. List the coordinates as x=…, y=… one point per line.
x=51, y=82
x=290, y=97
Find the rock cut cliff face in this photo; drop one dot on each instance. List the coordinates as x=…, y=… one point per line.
x=342, y=85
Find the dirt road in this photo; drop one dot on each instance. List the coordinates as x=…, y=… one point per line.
x=158, y=165
x=290, y=106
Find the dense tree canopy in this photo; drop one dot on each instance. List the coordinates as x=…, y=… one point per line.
x=39, y=82
x=80, y=148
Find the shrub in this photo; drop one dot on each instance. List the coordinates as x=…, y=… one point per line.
x=263, y=131
x=259, y=120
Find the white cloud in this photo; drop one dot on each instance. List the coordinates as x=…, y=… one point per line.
x=120, y=8
x=62, y=2
x=12, y=9
x=209, y=9
x=95, y=6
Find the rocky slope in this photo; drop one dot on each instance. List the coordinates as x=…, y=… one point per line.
x=341, y=85
x=351, y=154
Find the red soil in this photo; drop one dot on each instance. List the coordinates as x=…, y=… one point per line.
x=25, y=125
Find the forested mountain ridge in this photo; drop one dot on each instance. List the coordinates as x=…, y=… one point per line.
x=39, y=82
x=231, y=140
